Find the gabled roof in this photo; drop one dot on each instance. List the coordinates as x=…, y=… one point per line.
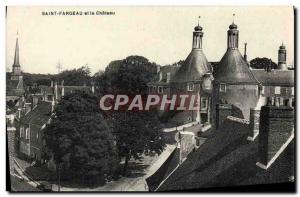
x=226, y=159
x=233, y=69
x=39, y=115
x=275, y=77
x=193, y=68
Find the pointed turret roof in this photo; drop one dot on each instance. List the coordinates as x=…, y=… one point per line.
x=16, y=59
x=194, y=67
x=233, y=69
x=196, y=64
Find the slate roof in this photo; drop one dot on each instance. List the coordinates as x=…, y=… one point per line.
x=226, y=159
x=275, y=77
x=193, y=68
x=39, y=115
x=14, y=87
x=233, y=69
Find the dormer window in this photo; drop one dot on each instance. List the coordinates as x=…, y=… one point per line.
x=292, y=91
x=222, y=87
x=27, y=134
x=190, y=87
x=160, y=76
x=277, y=90
x=160, y=89
x=168, y=77
x=204, y=103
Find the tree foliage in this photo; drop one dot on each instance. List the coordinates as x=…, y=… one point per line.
x=136, y=133
x=79, y=139
x=262, y=63
x=75, y=77
x=130, y=75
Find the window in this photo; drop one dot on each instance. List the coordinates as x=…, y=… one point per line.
x=277, y=90
x=222, y=87
x=189, y=118
x=190, y=87
x=21, y=132
x=168, y=77
x=154, y=88
x=37, y=135
x=27, y=134
x=204, y=102
x=160, y=76
x=292, y=91
x=263, y=90
x=160, y=89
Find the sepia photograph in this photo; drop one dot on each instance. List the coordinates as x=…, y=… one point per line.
x=150, y=98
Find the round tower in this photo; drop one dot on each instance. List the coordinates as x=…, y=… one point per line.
x=282, y=58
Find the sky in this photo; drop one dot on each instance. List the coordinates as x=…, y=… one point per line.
x=161, y=34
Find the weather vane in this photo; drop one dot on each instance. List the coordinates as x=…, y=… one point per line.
x=199, y=19
x=233, y=17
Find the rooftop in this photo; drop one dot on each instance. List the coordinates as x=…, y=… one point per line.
x=39, y=115
x=275, y=77
x=233, y=69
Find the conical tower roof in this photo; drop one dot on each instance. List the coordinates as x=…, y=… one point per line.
x=194, y=67
x=16, y=58
x=233, y=69
x=196, y=64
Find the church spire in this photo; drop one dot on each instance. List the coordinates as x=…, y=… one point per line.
x=16, y=68
x=16, y=59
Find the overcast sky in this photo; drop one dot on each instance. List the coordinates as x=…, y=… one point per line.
x=161, y=34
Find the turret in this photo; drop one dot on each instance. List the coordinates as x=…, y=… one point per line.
x=282, y=58
x=233, y=37
x=197, y=37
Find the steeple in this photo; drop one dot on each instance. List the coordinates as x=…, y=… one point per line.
x=233, y=36
x=197, y=36
x=16, y=59
x=16, y=68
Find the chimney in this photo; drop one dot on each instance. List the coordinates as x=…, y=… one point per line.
x=93, y=87
x=157, y=69
x=245, y=52
x=268, y=67
x=35, y=100
x=52, y=105
x=55, y=91
x=27, y=107
x=276, y=131
x=62, y=88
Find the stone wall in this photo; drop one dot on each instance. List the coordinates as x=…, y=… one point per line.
x=11, y=136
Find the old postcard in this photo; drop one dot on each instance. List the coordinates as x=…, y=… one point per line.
x=150, y=99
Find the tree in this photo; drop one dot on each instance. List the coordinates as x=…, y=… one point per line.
x=75, y=77
x=136, y=133
x=130, y=75
x=262, y=63
x=79, y=139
